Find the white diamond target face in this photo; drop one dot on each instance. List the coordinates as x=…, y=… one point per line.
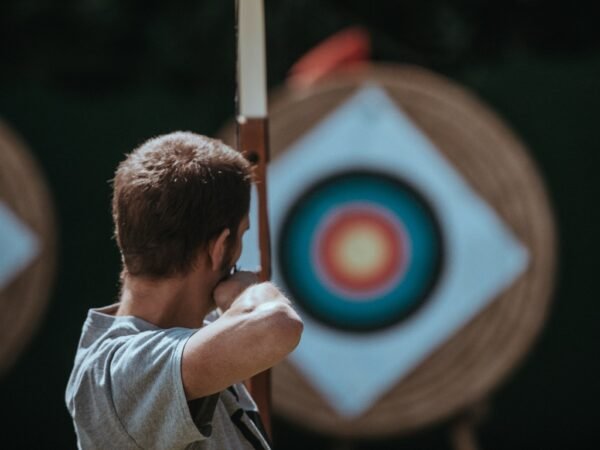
x=382, y=244
x=360, y=251
x=18, y=245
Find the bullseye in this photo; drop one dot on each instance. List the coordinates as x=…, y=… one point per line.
x=361, y=250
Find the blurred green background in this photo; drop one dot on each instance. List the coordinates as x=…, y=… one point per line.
x=84, y=82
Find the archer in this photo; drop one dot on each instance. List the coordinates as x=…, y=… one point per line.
x=151, y=371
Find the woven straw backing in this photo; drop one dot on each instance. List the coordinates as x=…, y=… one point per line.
x=23, y=300
x=494, y=162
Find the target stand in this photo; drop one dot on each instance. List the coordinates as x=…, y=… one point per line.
x=414, y=233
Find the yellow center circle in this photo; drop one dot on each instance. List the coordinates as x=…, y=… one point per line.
x=360, y=251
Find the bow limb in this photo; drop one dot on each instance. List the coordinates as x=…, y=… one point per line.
x=252, y=141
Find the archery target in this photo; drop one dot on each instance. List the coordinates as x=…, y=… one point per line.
x=27, y=246
x=360, y=250
x=354, y=161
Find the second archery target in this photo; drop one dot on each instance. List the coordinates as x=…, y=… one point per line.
x=360, y=250
x=27, y=246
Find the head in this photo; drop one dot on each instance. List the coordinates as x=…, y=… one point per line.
x=179, y=198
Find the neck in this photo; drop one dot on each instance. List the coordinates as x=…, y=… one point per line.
x=181, y=301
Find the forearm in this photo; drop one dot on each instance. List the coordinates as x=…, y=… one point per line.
x=257, y=331
x=258, y=296
x=270, y=317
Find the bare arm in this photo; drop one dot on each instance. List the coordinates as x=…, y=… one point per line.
x=258, y=329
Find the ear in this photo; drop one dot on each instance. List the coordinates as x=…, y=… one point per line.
x=216, y=249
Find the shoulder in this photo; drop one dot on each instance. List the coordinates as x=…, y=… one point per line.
x=115, y=346
x=131, y=376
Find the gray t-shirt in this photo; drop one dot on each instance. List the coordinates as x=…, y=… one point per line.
x=125, y=392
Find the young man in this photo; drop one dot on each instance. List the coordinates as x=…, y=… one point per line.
x=150, y=372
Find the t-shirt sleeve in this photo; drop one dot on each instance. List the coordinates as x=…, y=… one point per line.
x=148, y=395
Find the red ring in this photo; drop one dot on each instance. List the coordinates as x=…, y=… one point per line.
x=344, y=221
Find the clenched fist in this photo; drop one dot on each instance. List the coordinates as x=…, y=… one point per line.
x=229, y=289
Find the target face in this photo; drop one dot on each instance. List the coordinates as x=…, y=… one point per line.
x=386, y=249
x=360, y=250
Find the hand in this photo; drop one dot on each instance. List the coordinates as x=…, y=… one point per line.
x=230, y=288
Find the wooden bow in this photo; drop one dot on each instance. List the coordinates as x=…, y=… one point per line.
x=252, y=141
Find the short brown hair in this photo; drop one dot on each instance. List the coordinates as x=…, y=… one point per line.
x=172, y=195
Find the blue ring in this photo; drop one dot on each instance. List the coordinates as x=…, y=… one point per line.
x=299, y=232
